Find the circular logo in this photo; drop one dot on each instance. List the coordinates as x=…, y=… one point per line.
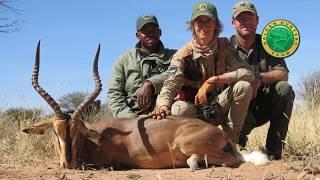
x=280, y=38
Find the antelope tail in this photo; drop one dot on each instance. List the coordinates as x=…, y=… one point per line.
x=255, y=157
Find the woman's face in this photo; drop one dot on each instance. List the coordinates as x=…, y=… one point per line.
x=204, y=28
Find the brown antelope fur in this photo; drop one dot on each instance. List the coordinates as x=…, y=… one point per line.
x=140, y=142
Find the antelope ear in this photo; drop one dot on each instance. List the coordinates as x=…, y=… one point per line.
x=90, y=133
x=39, y=128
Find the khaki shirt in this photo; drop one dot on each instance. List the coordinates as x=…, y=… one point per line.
x=227, y=60
x=258, y=58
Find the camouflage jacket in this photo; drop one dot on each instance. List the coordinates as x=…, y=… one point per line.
x=184, y=70
x=130, y=71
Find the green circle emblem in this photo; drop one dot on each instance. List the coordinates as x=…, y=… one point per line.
x=280, y=38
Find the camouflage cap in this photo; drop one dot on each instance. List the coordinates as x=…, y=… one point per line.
x=145, y=19
x=205, y=9
x=243, y=6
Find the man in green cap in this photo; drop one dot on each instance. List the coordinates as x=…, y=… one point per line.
x=138, y=75
x=207, y=76
x=272, y=96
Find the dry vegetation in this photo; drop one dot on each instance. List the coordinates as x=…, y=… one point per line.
x=19, y=149
x=302, y=143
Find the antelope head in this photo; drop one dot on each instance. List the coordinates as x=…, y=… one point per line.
x=69, y=131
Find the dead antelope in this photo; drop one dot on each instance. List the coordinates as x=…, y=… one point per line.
x=135, y=142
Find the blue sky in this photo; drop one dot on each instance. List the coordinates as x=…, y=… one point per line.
x=70, y=32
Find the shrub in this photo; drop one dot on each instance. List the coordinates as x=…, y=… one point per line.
x=310, y=89
x=20, y=113
x=71, y=101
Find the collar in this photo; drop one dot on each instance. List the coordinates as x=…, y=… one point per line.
x=159, y=53
x=196, y=55
x=238, y=47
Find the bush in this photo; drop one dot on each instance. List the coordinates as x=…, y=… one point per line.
x=20, y=113
x=104, y=113
x=310, y=89
x=71, y=101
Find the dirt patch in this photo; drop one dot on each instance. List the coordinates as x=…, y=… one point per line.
x=272, y=170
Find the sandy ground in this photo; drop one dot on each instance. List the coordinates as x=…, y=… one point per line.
x=272, y=170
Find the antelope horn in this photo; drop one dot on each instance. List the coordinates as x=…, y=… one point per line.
x=40, y=90
x=95, y=93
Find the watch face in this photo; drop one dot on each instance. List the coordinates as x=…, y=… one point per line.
x=258, y=75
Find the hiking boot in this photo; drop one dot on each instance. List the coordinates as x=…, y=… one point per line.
x=243, y=141
x=240, y=148
x=275, y=156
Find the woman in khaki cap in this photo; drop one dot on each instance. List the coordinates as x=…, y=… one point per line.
x=203, y=69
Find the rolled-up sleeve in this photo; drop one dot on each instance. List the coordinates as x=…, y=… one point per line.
x=276, y=64
x=158, y=80
x=172, y=84
x=239, y=69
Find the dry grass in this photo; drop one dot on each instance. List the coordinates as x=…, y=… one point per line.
x=302, y=143
x=18, y=148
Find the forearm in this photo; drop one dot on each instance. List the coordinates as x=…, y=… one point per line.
x=172, y=84
x=274, y=76
x=157, y=81
x=168, y=92
x=239, y=70
x=240, y=74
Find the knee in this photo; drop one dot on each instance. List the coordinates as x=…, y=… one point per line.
x=182, y=108
x=285, y=90
x=242, y=90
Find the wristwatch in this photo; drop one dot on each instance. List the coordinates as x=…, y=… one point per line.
x=258, y=75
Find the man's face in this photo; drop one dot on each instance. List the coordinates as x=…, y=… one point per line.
x=149, y=36
x=246, y=23
x=204, y=28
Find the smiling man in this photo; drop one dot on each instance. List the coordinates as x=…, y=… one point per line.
x=136, y=78
x=272, y=96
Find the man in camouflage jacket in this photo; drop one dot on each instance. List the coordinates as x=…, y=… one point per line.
x=136, y=78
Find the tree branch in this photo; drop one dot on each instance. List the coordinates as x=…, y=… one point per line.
x=13, y=26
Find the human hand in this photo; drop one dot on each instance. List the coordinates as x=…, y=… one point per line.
x=144, y=95
x=160, y=113
x=206, y=87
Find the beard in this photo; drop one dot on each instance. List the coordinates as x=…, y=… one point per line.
x=246, y=33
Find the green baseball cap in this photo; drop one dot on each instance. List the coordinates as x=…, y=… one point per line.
x=243, y=6
x=205, y=9
x=145, y=19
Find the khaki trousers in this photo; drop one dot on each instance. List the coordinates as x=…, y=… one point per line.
x=234, y=102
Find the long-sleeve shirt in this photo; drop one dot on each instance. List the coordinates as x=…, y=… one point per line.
x=131, y=70
x=181, y=75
